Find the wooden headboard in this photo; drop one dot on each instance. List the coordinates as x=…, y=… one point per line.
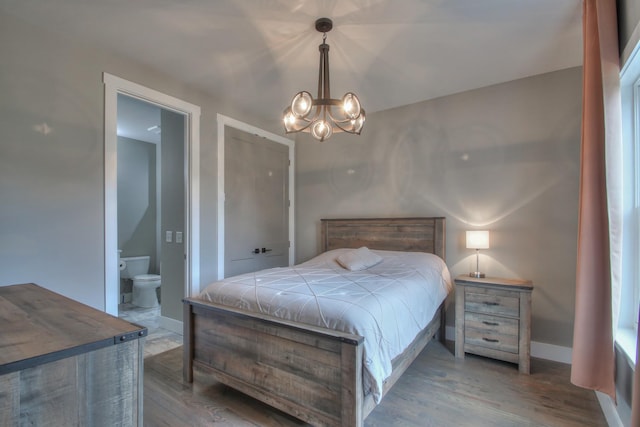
x=393, y=234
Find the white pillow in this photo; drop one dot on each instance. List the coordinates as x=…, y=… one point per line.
x=359, y=259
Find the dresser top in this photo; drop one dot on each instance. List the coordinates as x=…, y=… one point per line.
x=41, y=326
x=465, y=279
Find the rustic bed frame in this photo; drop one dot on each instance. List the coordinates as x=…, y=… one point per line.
x=312, y=373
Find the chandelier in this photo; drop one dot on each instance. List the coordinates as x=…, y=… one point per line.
x=323, y=116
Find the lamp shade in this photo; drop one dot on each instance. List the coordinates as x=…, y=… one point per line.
x=478, y=239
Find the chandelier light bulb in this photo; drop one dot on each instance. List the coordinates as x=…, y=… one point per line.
x=351, y=105
x=348, y=108
x=289, y=119
x=301, y=104
x=321, y=130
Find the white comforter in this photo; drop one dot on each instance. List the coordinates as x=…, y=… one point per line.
x=387, y=304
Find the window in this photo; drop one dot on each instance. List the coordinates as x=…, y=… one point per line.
x=630, y=301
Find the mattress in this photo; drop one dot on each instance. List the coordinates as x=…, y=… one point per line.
x=387, y=304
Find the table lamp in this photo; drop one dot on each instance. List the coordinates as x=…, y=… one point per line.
x=477, y=239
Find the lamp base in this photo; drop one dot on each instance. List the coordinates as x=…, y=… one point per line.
x=477, y=274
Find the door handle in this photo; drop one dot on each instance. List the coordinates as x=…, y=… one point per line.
x=255, y=251
x=266, y=250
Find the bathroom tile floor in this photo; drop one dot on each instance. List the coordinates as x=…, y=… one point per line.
x=159, y=339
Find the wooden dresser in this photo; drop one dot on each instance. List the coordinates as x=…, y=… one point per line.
x=63, y=363
x=493, y=319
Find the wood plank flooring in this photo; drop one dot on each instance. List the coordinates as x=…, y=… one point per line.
x=438, y=390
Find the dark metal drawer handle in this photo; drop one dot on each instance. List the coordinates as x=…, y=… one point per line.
x=490, y=303
x=490, y=323
x=489, y=339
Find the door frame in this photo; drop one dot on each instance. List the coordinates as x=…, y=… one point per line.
x=114, y=85
x=228, y=121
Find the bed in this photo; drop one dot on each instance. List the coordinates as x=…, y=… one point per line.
x=313, y=372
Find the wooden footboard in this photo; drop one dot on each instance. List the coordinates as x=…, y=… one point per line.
x=312, y=373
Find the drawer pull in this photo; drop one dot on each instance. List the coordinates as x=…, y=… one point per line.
x=490, y=323
x=490, y=303
x=490, y=339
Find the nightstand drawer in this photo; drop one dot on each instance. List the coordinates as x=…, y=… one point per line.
x=499, y=333
x=491, y=324
x=487, y=302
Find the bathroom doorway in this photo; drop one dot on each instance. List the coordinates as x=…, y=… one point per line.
x=151, y=197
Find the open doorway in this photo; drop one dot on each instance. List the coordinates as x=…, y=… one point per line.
x=181, y=250
x=151, y=210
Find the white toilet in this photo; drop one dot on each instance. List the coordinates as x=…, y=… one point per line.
x=144, y=284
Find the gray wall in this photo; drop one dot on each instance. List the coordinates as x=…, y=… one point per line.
x=628, y=20
x=52, y=158
x=504, y=158
x=137, y=212
x=173, y=213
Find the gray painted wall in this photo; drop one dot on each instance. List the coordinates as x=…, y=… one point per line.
x=503, y=158
x=173, y=213
x=137, y=212
x=52, y=158
x=628, y=21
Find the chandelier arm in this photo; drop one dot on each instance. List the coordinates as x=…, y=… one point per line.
x=327, y=102
x=338, y=125
x=304, y=128
x=339, y=119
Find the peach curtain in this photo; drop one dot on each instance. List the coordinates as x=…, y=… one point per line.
x=599, y=225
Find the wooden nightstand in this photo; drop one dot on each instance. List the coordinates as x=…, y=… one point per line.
x=493, y=319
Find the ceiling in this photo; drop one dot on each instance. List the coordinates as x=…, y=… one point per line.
x=257, y=54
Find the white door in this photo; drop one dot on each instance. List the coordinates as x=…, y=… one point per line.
x=256, y=203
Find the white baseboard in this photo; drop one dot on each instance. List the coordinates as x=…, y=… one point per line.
x=609, y=410
x=551, y=352
x=540, y=350
x=171, y=324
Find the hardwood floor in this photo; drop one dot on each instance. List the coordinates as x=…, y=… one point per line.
x=438, y=390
